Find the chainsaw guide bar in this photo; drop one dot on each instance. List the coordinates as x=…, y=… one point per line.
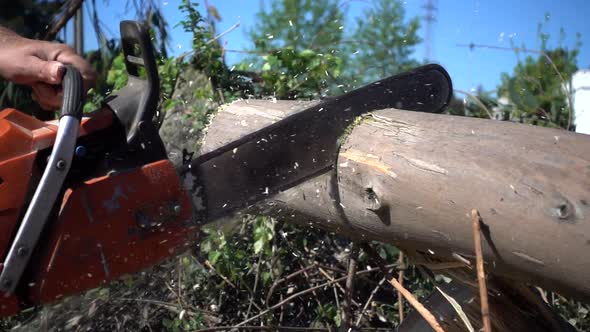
x=305, y=144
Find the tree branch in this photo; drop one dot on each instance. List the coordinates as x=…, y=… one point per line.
x=73, y=7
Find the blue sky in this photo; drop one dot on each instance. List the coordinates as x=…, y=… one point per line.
x=492, y=22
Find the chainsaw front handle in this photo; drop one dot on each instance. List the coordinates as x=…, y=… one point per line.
x=43, y=201
x=73, y=89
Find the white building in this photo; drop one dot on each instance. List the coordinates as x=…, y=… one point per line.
x=581, y=96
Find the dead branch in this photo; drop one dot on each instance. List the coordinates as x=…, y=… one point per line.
x=358, y=320
x=400, y=279
x=330, y=278
x=282, y=328
x=481, y=276
x=352, y=266
x=287, y=278
x=71, y=10
x=425, y=313
x=298, y=294
x=252, y=297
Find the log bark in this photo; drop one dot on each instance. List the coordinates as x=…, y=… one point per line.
x=411, y=179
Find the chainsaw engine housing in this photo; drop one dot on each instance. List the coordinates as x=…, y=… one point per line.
x=121, y=208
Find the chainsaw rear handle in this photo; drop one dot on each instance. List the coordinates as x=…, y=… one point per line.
x=47, y=191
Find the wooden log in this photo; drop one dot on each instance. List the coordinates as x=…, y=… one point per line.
x=411, y=179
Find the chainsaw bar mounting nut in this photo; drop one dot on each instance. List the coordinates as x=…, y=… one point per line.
x=61, y=164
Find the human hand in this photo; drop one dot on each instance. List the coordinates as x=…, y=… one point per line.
x=40, y=64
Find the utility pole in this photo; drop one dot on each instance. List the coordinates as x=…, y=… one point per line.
x=429, y=18
x=79, y=31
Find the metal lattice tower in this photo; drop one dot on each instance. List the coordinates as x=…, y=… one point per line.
x=429, y=18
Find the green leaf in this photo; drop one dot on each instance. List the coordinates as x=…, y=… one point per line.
x=266, y=277
x=338, y=318
x=214, y=256
x=258, y=246
x=206, y=245
x=307, y=53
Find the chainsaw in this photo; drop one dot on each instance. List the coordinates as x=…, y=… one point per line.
x=89, y=198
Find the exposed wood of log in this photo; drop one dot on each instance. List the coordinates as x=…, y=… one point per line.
x=411, y=179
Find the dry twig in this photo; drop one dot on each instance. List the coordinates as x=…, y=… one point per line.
x=287, y=278
x=298, y=294
x=232, y=28
x=281, y=328
x=195, y=52
x=330, y=278
x=358, y=320
x=347, y=308
x=400, y=279
x=425, y=313
x=210, y=266
x=477, y=101
x=256, y=278
x=481, y=277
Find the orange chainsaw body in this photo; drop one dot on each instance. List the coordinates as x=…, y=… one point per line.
x=104, y=226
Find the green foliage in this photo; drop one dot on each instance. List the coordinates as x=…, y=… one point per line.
x=263, y=234
x=292, y=74
x=207, y=55
x=538, y=88
x=299, y=25
x=327, y=314
x=383, y=42
x=298, y=44
x=303, y=53
x=267, y=250
x=230, y=258
x=116, y=79
x=575, y=312
x=177, y=324
x=168, y=71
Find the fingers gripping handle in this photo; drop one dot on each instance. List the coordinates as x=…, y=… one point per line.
x=47, y=192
